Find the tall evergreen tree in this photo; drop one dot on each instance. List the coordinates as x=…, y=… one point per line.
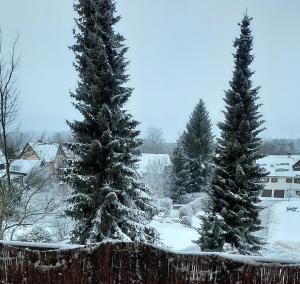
x=109, y=202
x=191, y=160
x=233, y=215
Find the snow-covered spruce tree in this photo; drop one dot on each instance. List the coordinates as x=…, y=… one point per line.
x=180, y=179
x=197, y=142
x=197, y=139
x=233, y=215
x=109, y=201
x=191, y=160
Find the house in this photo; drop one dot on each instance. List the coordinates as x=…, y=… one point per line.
x=283, y=180
x=52, y=154
x=20, y=169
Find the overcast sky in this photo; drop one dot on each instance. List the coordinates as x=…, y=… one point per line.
x=180, y=51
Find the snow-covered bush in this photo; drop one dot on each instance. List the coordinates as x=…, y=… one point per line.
x=37, y=234
x=187, y=220
x=185, y=211
x=165, y=206
x=192, y=208
x=185, y=215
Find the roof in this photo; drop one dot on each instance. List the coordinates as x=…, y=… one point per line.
x=45, y=151
x=280, y=165
x=24, y=166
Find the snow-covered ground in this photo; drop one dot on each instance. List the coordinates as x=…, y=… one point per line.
x=177, y=236
x=281, y=232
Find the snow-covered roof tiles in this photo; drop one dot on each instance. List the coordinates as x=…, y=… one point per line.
x=280, y=165
x=46, y=152
x=24, y=166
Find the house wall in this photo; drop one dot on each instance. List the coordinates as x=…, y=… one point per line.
x=59, y=160
x=291, y=189
x=29, y=154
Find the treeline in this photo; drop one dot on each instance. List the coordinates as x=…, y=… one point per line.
x=281, y=147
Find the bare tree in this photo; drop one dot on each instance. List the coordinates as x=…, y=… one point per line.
x=153, y=141
x=20, y=204
x=29, y=203
x=8, y=99
x=155, y=176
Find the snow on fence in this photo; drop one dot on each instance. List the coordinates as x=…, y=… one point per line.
x=135, y=263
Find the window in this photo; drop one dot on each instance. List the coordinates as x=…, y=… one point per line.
x=279, y=193
x=266, y=193
x=265, y=180
x=296, y=180
x=297, y=192
x=282, y=170
x=274, y=179
x=289, y=180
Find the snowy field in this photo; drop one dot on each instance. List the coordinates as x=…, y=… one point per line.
x=281, y=232
x=177, y=236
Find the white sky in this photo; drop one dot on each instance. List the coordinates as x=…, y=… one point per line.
x=180, y=51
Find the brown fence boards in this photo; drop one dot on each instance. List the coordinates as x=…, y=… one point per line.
x=134, y=263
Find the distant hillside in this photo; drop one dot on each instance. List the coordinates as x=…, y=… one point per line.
x=281, y=146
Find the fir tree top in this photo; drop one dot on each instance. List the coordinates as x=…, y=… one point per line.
x=242, y=119
x=197, y=139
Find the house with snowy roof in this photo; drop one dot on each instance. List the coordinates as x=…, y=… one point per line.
x=20, y=169
x=283, y=180
x=52, y=154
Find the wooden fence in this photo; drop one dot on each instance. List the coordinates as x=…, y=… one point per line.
x=135, y=263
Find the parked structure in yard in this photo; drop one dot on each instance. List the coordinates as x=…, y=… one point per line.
x=283, y=180
x=52, y=154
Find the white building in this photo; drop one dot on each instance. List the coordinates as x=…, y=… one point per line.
x=283, y=180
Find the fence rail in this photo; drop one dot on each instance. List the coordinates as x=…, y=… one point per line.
x=135, y=263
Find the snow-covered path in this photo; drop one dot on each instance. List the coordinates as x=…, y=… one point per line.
x=283, y=229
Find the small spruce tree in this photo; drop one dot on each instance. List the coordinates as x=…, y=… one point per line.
x=233, y=214
x=180, y=174
x=109, y=201
x=191, y=160
x=197, y=139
